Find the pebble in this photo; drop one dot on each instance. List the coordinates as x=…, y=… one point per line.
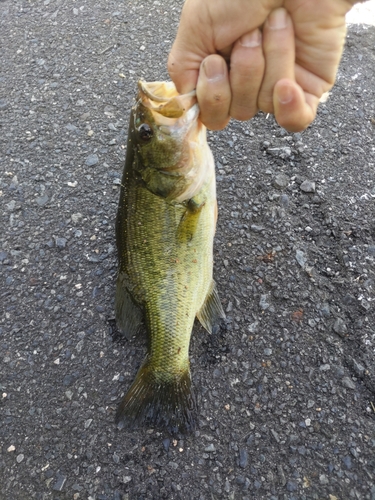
x=166, y=444
x=347, y=462
x=11, y=205
x=42, y=200
x=284, y=152
x=339, y=327
x=92, y=160
x=284, y=200
x=267, y=351
x=324, y=368
x=88, y=423
x=69, y=394
x=11, y=448
x=60, y=242
x=301, y=258
x=358, y=368
x=263, y=302
x=308, y=186
x=59, y=483
x=20, y=457
x=243, y=458
x=210, y=447
x=281, y=181
x=348, y=382
x=256, y=228
x=76, y=217
x=291, y=486
x=323, y=479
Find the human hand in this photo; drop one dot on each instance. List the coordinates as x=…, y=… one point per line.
x=281, y=59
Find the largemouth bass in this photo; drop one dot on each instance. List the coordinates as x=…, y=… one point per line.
x=164, y=231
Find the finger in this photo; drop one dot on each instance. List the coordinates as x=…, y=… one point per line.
x=279, y=53
x=246, y=74
x=183, y=72
x=213, y=92
x=294, y=109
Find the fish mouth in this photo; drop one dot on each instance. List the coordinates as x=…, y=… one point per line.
x=162, y=99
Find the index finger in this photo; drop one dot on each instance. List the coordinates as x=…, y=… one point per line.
x=183, y=74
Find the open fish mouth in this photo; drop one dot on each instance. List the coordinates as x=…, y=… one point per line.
x=163, y=98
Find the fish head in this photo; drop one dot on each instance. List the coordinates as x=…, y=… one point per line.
x=168, y=140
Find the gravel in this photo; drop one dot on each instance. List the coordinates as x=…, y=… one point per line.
x=286, y=390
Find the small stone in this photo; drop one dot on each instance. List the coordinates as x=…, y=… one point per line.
x=69, y=394
x=92, y=160
x=20, y=457
x=253, y=327
x=301, y=258
x=281, y=181
x=88, y=423
x=166, y=444
x=324, y=368
x=267, y=351
x=79, y=346
x=358, y=368
x=126, y=479
x=42, y=200
x=76, y=217
x=60, y=242
x=243, y=458
x=257, y=484
x=59, y=483
x=347, y=462
x=348, y=382
x=308, y=186
x=323, y=479
x=275, y=435
x=11, y=205
x=263, y=302
x=210, y=447
x=325, y=310
x=11, y=448
x=3, y=255
x=339, y=327
x=291, y=486
x=116, y=458
x=284, y=200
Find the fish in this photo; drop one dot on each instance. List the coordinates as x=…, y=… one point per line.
x=165, y=229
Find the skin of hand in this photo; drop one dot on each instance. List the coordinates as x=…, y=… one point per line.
x=278, y=56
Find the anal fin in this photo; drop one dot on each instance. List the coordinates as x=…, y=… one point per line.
x=128, y=315
x=212, y=311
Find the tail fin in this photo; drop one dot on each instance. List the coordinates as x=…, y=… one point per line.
x=166, y=402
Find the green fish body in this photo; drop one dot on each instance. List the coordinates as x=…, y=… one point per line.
x=164, y=231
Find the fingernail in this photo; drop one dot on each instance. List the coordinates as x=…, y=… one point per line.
x=284, y=95
x=214, y=68
x=253, y=39
x=277, y=19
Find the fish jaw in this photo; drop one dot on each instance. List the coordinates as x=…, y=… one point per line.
x=174, y=160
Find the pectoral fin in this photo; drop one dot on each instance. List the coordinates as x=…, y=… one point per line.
x=189, y=220
x=211, y=312
x=128, y=314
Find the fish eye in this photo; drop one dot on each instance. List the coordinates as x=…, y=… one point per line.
x=145, y=132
